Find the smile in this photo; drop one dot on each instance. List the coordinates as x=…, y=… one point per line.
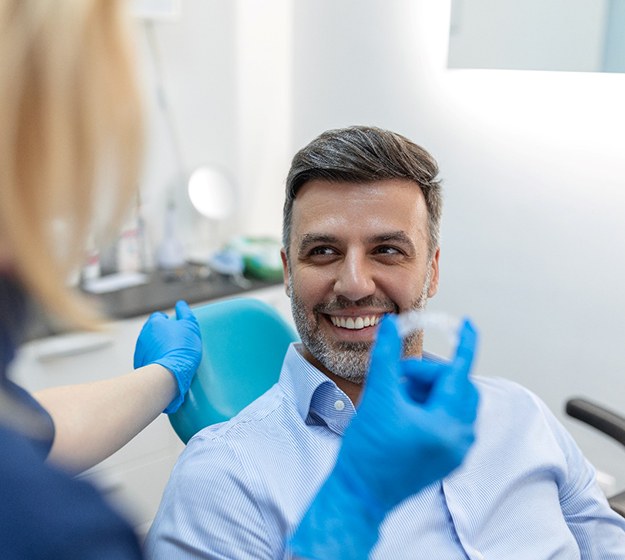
x=355, y=323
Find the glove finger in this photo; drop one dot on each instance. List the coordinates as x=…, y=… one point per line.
x=468, y=412
x=385, y=355
x=145, y=337
x=157, y=315
x=183, y=311
x=463, y=399
x=467, y=393
x=424, y=370
x=454, y=388
x=467, y=343
x=418, y=378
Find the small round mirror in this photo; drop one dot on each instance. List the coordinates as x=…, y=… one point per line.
x=212, y=193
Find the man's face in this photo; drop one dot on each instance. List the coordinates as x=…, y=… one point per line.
x=357, y=251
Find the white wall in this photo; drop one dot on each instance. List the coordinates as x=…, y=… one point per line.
x=532, y=241
x=226, y=74
x=529, y=35
x=198, y=55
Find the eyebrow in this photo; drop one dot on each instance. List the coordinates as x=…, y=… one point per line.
x=309, y=239
x=396, y=236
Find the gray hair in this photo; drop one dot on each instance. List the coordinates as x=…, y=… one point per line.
x=365, y=154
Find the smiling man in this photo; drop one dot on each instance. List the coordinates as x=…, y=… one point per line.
x=354, y=252
x=361, y=239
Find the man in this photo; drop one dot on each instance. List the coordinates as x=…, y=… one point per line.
x=361, y=230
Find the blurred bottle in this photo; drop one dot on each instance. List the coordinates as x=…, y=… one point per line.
x=91, y=267
x=170, y=255
x=128, y=253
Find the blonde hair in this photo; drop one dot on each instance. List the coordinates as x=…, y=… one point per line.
x=71, y=138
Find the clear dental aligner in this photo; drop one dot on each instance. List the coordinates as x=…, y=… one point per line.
x=420, y=320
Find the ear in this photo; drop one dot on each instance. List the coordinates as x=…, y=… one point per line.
x=285, y=271
x=434, y=273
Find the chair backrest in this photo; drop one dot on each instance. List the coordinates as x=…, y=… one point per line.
x=244, y=341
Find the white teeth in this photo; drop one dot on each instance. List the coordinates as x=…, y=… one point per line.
x=355, y=323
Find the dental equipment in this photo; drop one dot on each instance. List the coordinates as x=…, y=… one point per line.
x=420, y=320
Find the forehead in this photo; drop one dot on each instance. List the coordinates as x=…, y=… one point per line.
x=341, y=208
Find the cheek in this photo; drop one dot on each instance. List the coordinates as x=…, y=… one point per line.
x=311, y=286
x=404, y=287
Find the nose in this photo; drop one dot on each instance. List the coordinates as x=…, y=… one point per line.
x=354, y=278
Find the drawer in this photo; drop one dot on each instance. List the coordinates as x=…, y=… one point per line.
x=77, y=357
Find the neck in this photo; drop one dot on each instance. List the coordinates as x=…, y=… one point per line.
x=350, y=388
x=413, y=347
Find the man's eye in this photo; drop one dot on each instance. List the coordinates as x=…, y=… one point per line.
x=387, y=250
x=322, y=251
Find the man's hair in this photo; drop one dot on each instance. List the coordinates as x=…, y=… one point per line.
x=365, y=154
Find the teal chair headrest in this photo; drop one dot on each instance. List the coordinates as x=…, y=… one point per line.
x=244, y=341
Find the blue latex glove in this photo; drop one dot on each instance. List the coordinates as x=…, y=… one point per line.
x=174, y=344
x=414, y=426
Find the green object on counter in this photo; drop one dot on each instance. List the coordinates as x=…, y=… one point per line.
x=261, y=257
x=256, y=268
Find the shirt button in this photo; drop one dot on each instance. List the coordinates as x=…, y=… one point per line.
x=339, y=405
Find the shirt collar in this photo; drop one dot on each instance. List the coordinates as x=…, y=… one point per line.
x=317, y=398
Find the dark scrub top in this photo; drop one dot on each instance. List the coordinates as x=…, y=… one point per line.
x=44, y=512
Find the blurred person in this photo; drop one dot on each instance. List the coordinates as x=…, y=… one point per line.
x=69, y=162
x=361, y=231
x=70, y=145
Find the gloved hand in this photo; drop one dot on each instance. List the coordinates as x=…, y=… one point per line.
x=174, y=344
x=414, y=425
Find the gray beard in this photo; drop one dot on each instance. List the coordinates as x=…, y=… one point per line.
x=349, y=360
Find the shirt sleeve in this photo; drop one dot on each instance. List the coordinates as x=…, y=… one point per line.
x=598, y=530
x=208, y=509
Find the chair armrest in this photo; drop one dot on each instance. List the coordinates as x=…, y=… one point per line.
x=617, y=503
x=599, y=417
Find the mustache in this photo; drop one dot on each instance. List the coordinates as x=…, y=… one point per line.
x=341, y=303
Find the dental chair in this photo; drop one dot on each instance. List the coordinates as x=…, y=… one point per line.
x=607, y=422
x=244, y=341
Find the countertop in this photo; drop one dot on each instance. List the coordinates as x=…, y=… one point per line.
x=160, y=293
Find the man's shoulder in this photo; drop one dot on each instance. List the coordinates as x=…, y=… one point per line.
x=505, y=397
x=230, y=488
x=271, y=407
x=215, y=451
x=235, y=453
x=508, y=406
x=502, y=387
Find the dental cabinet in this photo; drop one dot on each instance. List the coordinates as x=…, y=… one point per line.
x=133, y=478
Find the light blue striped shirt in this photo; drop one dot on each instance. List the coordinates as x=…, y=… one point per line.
x=524, y=492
